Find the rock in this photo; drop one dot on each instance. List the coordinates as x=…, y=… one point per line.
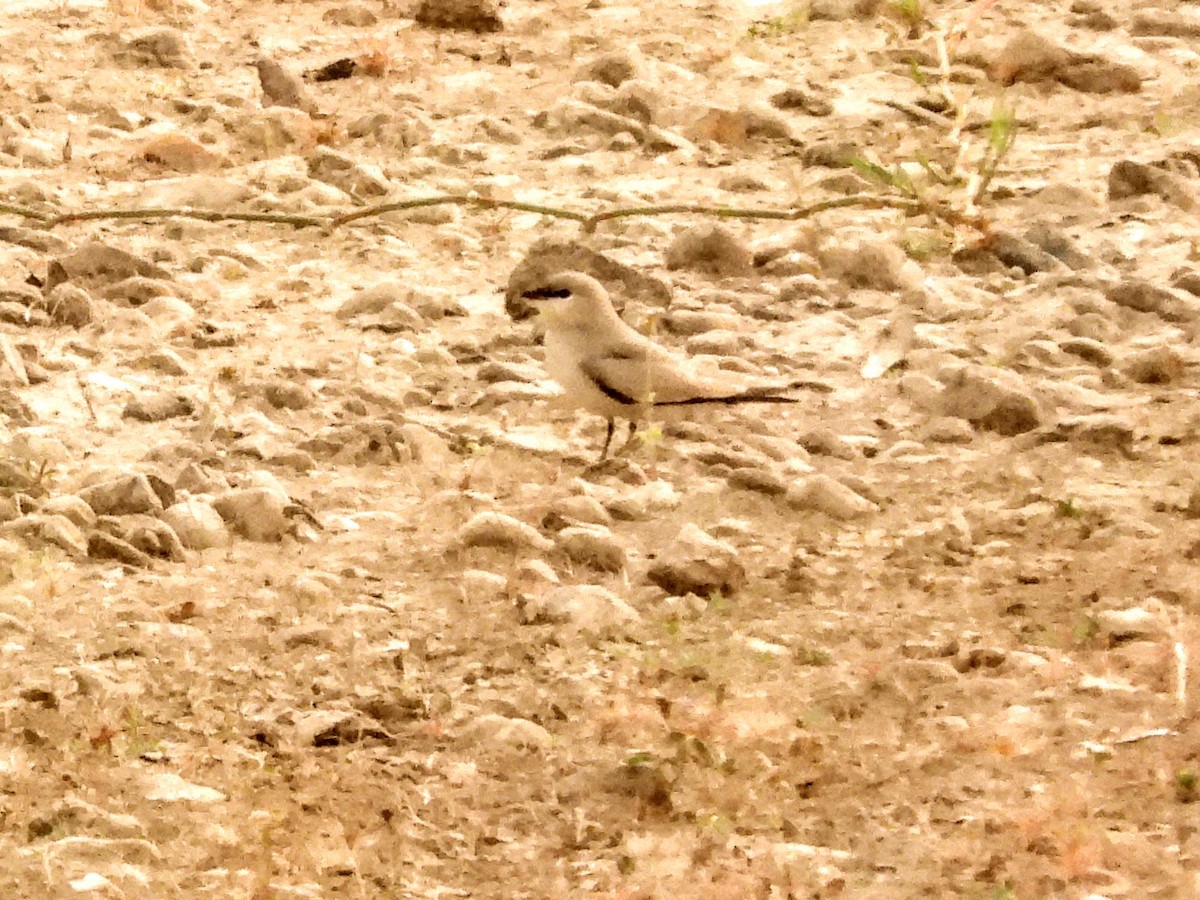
x=356, y=179
x=1059, y=245
x=56, y=530
x=1031, y=58
x=1155, y=365
x=198, y=479
x=352, y=16
x=877, y=265
x=1132, y=179
x=1087, y=349
x=158, y=408
x=179, y=153
x=1099, y=430
x=481, y=16
x=197, y=524
x=826, y=494
x=164, y=48
x=586, y=607
x=611, y=68
x=68, y=305
x=576, y=509
x=697, y=563
x=992, y=399
x=594, y=546
x=550, y=255
x=1167, y=303
x=492, y=529
x=757, y=479
x=281, y=87
x=504, y=733
x=804, y=100
x=947, y=430
x=101, y=545
x=1158, y=23
x=288, y=395
x=96, y=262
x=74, y=508
x=1093, y=75
x=122, y=496
x=136, y=291
x=256, y=513
x=1021, y=253
x=1135, y=623
x=151, y=536
x=711, y=249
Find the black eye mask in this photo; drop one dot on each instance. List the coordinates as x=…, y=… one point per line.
x=545, y=293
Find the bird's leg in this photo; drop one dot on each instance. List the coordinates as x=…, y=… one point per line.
x=607, y=440
x=633, y=427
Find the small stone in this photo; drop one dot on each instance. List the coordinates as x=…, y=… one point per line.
x=993, y=399
x=74, y=508
x=611, y=68
x=1087, y=349
x=67, y=304
x=56, y=530
x=481, y=16
x=697, y=563
x=179, y=153
x=158, y=408
x=198, y=479
x=281, y=87
x=136, y=291
x=1020, y=253
x=877, y=265
x=101, y=263
x=1133, y=179
x=1158, y=23
x=164, y=48
x=504, y=733
x=1143, y=296
x=101, y=545
x=1135, y=622
x=1155, y=365
x=587, y=607
x=256, y=513
x=1029, y=57
x=127, y=495
x=152, y=536
x=826, y=494
x=343, y=172
x=493, y=529
x=288, y=395
x=198, y=525
x=352, y=16
x=947, y=430
x=757, y=479
x=594, y=546
x=579, y=509
x=804, y=100
x=1099, y=430
x=711, y=249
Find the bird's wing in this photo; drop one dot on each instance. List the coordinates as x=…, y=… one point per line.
x=639, y=374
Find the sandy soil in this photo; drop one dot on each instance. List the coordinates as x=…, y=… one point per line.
x=943, y=638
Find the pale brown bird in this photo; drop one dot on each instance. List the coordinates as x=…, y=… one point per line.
x=606, y=367
x=281, y=87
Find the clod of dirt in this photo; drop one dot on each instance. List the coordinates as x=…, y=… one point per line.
x=1032, y=58
x=711, y=249
x=823, y=493
x=69, y=305
x=993, y=399
x=1155, y=365
x=150, y=535
x=1087, y=349
x=352, y=15
x=96, y=262
x=481, y=16
x=589, y=608
x=1017, y=252
x=492, y=529
x=802, y=99
x=550, y=255
x=356, y=179
x=876, y=265
x=123, y=496
x=1143, y=296
x=1159, y=23
x=697, y=563
x=281, y=87
x=1133, y=179
x=180, y=153
x=257, y=513
x=594, y=546
x=55, y=530
x=164, y=48
x=101, y=545
x=198, y=525
x=612, y=68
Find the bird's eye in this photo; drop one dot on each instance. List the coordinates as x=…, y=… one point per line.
x=545, y=293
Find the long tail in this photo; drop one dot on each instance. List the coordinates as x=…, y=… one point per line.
x=765, y=394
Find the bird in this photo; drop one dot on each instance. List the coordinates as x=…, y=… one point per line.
x=281, y=87
x=608, y=368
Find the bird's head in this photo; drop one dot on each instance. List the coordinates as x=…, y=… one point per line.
x=569, y=298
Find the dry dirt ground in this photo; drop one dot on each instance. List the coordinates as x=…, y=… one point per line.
x=942, y=634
